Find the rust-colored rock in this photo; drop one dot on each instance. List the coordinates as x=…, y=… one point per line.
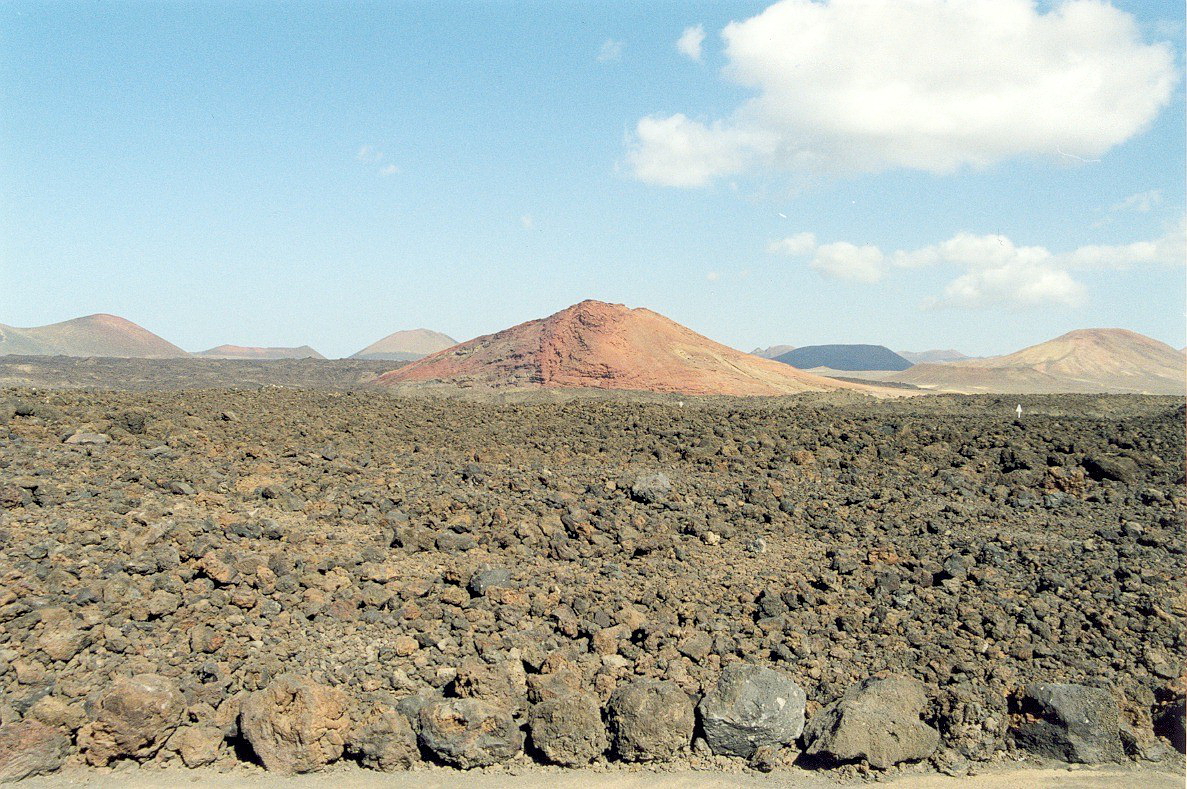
x=132, y=718
x=296, y=725
x=609, y=346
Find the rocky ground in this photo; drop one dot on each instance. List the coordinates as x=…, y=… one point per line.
x=68, y=372
x=296, y=578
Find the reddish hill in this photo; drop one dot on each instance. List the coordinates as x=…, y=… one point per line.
x=94, y=335
x=248, y=352
x=609, y=346
x=1086, y=360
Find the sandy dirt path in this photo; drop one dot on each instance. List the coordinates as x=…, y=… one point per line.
x=1123, y=777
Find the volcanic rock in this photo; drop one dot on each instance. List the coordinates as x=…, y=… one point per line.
x=1171, y=724
x=295, y=725
x=132, y=718
x=197, y=746
x=877, y=720
x=650, y=720
x=608, y=346
x=383, y=739
x=751, y=707
x=469, y=733
x=1069, y=722
x=29, y=748
x=568, y=729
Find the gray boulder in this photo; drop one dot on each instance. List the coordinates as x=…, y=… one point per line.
x=469, y=732
x=488, y=578
x=1072, y=723
x=752, y=707
x=650, y=720
x=877, y=720
x=568, y=729
x=651, y=488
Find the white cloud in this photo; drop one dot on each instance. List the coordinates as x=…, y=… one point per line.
x=842, y=260
x=712, y=276
x=610, y=50
x=799, y=244
x=387, y=170
x=852, y=86
x=528, y=222
x=1141, y=202
x=1014, y=285
x=993, y=271
x=678, y=151
x=690, y=42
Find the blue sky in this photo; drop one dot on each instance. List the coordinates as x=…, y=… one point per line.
x=281, y=174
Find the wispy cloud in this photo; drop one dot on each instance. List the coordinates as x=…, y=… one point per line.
x=611, y=50
x=369, y=154
x=1141, y=202
x=388, y=169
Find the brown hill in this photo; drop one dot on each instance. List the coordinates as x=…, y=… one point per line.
x=772, y=351
x=609, y=346
x=247, y=352
x=94, y=335
x=407, y=345
x=1087, y=360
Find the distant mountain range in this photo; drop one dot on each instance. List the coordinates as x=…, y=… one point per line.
x=600, y=345
x=932, y=357
x=844, y=358
x=773, y=351
x=406, y=346
x=242, y=352
x=93, y=335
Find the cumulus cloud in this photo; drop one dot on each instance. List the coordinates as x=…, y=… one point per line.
x=610, y=50
x=690, y=42
x=853, y=86
x=842, y=260
x=993, y=271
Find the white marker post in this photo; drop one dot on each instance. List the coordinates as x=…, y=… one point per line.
x=1018, y=410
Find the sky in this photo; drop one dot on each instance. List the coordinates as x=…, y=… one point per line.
x=978, y=175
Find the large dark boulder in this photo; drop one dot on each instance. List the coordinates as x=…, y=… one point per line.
x=751, y=707
x=1072, y=723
